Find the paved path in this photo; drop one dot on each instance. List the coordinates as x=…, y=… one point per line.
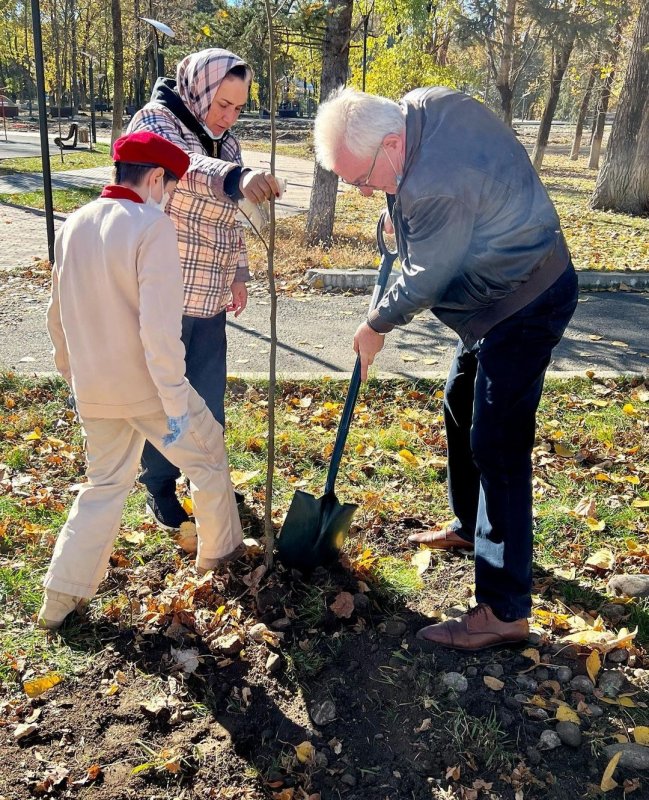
x=315, y=332
x=23, y=237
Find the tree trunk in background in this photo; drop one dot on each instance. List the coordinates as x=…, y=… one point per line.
x=335, y=61
x=623, y=182
x=602, y=106
x=583, y=110
x=561, y=59
x=503, y=76
x=118, y=67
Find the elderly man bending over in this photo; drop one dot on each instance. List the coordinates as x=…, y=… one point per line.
x=481, y=247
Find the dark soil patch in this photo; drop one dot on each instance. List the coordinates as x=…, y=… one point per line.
x=377, y=710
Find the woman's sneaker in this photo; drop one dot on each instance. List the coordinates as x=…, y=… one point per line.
x=167, y=511
x=56, y=607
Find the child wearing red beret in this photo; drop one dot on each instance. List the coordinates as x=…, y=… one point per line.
x=115, y=319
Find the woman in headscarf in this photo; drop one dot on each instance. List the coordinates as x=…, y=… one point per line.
x=196, y=112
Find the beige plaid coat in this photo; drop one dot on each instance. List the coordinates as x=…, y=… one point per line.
x=210, y=239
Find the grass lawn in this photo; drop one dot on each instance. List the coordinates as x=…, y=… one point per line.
x=70, y=159
x=138, y=722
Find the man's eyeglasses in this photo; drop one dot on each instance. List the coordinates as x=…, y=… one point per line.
x=366, y=181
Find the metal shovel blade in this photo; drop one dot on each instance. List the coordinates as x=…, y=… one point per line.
x=314, y=530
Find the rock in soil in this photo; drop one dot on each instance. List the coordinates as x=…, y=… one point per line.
x=455, y=681
x=634, y=756
x=273, y=663
x=323, y=713
x=629, y=585
x=549, y=740
x=564, y=674
x=580, y=683
x=611, y=682
x=618, y=656
x=395, y=627
x=569, y=733
x=494, y=670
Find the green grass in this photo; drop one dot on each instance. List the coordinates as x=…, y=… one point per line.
x=72, y=159
x=64, y=200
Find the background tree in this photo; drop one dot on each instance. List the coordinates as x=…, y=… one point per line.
x=118, y=70
x=335, y=60
x=623, y=182
x=583, y=108
x=604, y=98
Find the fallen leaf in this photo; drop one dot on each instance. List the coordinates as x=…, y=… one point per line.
x=586, y=507
x=92, y=773
x=187, y=660
x=602, y=559
x=641, y=734
x=37, y=686
x=629, y=409
x=343, y=605
x=24, y=730
x=240, y=477
x=134, y=537
x=493, y=683
x=305, y=753
x=453, y=773
x=532, y=654
x=562, y=450
x=566, y=714
x=593, y=665
x=607, y=778
x=421, y=560
x=409, y=458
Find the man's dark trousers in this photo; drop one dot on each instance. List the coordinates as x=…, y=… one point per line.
x=205, y=367
x=492, y=394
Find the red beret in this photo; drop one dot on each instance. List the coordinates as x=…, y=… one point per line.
x=144, y=147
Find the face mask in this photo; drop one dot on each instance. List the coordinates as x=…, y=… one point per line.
x=212, y=135
x=159, y=205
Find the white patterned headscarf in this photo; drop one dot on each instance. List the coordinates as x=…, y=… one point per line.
x=199, y=76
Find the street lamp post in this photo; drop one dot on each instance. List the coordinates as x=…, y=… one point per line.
x=165, y=30
x=2, y=109
x=42, y=124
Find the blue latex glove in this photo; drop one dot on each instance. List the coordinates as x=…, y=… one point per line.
x=177, y=427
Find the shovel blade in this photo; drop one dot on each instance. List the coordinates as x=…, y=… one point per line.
x=314, y=530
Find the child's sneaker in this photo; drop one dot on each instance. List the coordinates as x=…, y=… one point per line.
x=56, y=607
x=166, y=510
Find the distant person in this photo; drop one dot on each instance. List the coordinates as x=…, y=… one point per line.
x=196, y=112
x=481, y=247
x=115, y=320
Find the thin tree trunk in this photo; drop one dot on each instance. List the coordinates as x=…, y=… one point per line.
x=623, y=181
x=561, y=59
x=335, y=61
x=118, y=69
x=583, y=110
x=602, y=106
x=503, y=76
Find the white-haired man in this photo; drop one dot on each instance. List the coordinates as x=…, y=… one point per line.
x=481, y=247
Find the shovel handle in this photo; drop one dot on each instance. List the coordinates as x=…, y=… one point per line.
x=385, y=268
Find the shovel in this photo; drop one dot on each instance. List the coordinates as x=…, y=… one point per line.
x=315, y=528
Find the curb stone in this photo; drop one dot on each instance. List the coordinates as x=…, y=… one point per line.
x=589, y=280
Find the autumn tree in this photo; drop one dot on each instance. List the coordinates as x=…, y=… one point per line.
x=623, y=182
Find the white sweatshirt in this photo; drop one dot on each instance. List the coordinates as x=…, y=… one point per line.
x=115, y=314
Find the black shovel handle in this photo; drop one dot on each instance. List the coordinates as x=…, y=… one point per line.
x=385, y=268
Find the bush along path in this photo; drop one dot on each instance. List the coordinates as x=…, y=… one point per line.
x=251, y=684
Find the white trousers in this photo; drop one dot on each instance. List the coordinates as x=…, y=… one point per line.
x=113, y=451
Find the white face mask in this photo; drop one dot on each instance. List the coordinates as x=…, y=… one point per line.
x=212, y=136
x=150, y=201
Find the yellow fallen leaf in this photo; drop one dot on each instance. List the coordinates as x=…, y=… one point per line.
x=627, y=408
x=562, y=450
x=187, y=505
x=34, y=436
x=539, y=701
x=602, y=476
x=624, y=701
x=602, y=559
x=566, y=714
x=493, y=683
x=240, y=477
x=593, y=665
x=409, y=457
x=421, y=560
x=641, y=734
x=595, y=524
x=37, y=686
x=640, y=503
x=607, y=778
x=604, y=641
x=621, y=738
x=305, y=753
x=632, y=479
x=532, y=653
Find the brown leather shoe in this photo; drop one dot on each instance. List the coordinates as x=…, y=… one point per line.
x=478, y=629
x=441, y=540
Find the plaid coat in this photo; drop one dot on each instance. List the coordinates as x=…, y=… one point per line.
x=210, y=239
